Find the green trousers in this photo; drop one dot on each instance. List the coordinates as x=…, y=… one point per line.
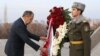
x=76, y=50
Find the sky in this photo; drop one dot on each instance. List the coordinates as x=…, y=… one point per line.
x=15, y=8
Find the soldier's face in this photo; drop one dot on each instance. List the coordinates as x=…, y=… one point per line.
x=75, y=12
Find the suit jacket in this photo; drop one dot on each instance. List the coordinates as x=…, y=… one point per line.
x=18, y=36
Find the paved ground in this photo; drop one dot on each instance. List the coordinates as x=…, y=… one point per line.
x=30, y=52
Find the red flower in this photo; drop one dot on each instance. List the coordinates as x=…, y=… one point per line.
x=56, y=14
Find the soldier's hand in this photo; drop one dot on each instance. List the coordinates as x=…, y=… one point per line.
x=57, y=34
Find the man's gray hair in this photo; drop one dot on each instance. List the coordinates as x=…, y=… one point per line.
x=28, y=13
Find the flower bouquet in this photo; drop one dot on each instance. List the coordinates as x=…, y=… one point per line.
x=58, y=20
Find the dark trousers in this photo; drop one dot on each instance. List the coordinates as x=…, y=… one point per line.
x=15, y=53
x=76, y=50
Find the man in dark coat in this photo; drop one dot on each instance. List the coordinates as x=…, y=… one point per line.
x=19, y=35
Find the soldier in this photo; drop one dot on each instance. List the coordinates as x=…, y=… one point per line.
x=79, y=32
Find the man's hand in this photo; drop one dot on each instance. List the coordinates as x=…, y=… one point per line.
x=43, y=38
x=43, y=49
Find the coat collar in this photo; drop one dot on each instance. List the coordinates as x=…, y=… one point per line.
x=23, y=22
x=78, y=19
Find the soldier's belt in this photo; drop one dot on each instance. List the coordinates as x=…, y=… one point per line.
x=76, y=42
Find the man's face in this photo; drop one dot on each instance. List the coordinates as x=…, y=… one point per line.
x=29, y=19
x=75, y=12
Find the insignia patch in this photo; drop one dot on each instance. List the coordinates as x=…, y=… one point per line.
x=86, y=28
x=84, y=21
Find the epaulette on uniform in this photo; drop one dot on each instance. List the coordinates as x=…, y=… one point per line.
x=85, y=21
